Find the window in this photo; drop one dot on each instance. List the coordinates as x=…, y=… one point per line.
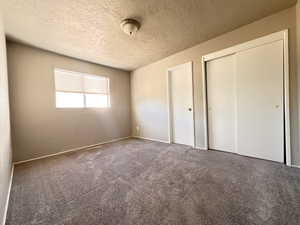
x=79, y=90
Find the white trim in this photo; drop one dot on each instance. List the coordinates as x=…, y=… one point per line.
x=170, y=127
x=235, y=108
x=194, y=115
x=151, y=139
x=169, y=109
x=287, y=98
x=295, y=166
x=201, y=148
x=8, y=194
x=281, y=35
x=88, y=147
x=166, y=142
x=81, y=92
x=204, y=93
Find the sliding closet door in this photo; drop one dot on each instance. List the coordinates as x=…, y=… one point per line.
x=221, y=103
x=260, y=106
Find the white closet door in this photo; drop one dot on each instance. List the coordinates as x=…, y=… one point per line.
x=260, y=106
x=221, y=103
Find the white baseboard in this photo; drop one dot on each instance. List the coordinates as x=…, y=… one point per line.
x=151, y=139
x=157, y=140
x=72, y=150
x=201, y=148
x=8, y=194
x=295, y=166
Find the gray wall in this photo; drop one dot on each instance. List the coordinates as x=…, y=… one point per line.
x=38, y=128
x=5, y=142
x=148, y=83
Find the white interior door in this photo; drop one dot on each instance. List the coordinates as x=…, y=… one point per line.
x=260, y=107
x=221, y=103
x=181, y=104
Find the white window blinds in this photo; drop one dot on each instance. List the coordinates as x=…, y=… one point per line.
x=95, y=84
x=78, y=90
x=68, y=82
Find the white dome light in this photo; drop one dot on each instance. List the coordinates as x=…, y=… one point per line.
x=130, y=26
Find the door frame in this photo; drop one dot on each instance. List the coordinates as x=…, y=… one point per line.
x=169, y=102
x=281, y=35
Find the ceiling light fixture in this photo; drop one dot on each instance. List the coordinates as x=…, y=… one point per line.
x=130, y=26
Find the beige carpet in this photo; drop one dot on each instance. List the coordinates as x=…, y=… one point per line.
x=136, y=182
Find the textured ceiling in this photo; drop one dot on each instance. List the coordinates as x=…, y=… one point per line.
x=90, y=29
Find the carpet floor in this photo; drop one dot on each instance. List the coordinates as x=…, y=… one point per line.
x=139, y=182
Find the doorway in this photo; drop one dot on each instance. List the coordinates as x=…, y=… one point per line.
x=181, y=104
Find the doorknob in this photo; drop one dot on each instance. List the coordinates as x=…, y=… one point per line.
x=190, y=109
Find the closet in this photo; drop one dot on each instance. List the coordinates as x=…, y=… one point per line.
x=245, y=96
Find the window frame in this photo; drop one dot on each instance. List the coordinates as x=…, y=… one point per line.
x=82, y=74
